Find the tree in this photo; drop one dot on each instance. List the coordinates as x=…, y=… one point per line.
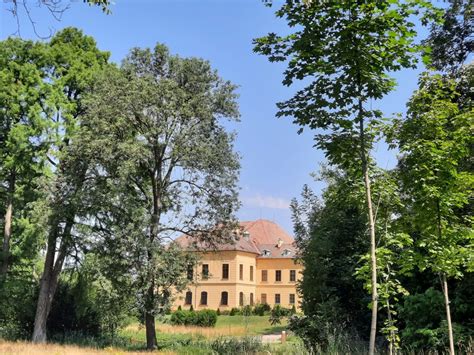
x=451, y=40
x=155, y=125
x=24, y=119
x=435, y=139
x=330, y=235
x=74, y=58
x=345, y=49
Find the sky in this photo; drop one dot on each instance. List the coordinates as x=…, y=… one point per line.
x=276, y=161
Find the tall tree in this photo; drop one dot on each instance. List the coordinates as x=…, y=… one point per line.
x=74, y=58
x=345, y=49
x=157, y=126
x=436, y=138
x=24, y=119
x=331, y=237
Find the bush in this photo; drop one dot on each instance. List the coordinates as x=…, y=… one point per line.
x=204, y=318
x=323, y=337
x=234, y=312
x=261, y=309
x=246, y=311
x=245, y=345
x=218, y=311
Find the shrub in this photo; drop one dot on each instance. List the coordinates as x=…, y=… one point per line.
x=246, y=311
x=245, y=345
x=277, y=314
x=178, y=317
x=218, y=311
x=234, y=312
x=179, y=308
x=261, y=309
x=204, y=318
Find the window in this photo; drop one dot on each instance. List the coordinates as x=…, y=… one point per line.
x=189, y=298
x=251, y=299
x=204, y=298
x=277, y=298
x=266, y=252
x=251, y=273
x=241, y=299
x=264, y=275
x=292, y=275
x=292, y=298
x=225, y=271
x=286, y=252
x=224, y=298
x=241, y=271
x=190, y=272
x=263, y=298
x=278, y=275
x=205, y=271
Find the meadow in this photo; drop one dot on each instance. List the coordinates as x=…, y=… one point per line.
x=230, y=331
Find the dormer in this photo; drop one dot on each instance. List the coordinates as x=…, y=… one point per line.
x=266, y=252
x=286, y=252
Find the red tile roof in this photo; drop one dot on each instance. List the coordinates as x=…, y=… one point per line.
x=256, y=237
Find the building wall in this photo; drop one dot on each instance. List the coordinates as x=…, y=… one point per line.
x=214, y=285
x=271, y=287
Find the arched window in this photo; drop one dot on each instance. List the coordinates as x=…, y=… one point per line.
x=224, y=298
x=189, y=298
x=204, y=298
x=251, y=299
x=241, y=298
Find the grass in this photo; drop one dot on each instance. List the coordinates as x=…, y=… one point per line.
x=225, y=326
x=171, y=339
x=24, y=348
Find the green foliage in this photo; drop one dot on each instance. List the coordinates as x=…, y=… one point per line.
x=234, y=312
x=323, y=337
x=451, y=41
x=346, y=49
x=202, y=318
x=232, y=345
x=425, y=327
x=435, y=139
x=331, y=238
x=261, y=309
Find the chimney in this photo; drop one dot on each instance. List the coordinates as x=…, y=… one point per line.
x=246, y=235
x=280, y=243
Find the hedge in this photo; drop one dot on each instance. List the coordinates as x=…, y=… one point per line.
x=204, y=318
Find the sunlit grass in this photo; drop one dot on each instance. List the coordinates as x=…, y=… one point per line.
x=25, y=348
x=225, y=326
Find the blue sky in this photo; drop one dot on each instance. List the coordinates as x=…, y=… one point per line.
x=276, y=162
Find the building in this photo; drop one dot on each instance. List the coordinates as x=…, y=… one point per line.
x=259, y=268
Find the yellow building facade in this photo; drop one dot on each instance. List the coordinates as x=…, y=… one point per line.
x=259, y=268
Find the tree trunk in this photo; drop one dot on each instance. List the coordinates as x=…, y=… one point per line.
x=151, y=342
x=448, y=314
x=373, y=256
x=7, y=233
x=49, y=281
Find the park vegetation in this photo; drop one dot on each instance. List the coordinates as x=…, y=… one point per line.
x=405, y=235
x=102, y=165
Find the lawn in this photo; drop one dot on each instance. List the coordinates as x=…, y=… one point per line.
x=225, y=326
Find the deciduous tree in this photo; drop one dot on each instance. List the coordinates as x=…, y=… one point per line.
x=156, y=125
x=344, y=51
